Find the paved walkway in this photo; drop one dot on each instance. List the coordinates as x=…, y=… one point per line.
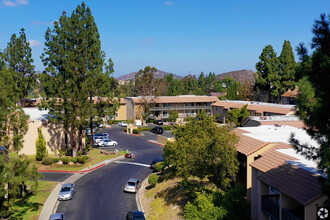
x=51, y=203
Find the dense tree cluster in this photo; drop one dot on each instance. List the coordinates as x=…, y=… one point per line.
x=313, y=105
x=275, y=75
x=18, y=177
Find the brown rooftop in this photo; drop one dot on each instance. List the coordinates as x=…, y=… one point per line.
x=297, y=183
x=177, y=99
x=271, y=158
x=253, y=107
x=291, y=93
x=247, y=145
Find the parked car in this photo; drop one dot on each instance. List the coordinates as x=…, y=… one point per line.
x=157, y=130
x=57, y=216
x=135, y=215
x=67, y=191
x=153, y=163
x=107, y=143
x=132, y=185
x=122, y=124
x=158, y=122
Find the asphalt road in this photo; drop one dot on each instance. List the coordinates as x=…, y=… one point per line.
x=99, y=194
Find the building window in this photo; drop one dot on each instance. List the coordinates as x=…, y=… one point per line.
x=165, y=114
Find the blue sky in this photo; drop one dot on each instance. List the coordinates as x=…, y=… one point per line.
x=179, y=36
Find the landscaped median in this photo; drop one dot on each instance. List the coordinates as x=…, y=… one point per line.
x=94, y=157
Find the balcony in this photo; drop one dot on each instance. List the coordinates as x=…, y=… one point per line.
x=270, y=206
x=287, y=215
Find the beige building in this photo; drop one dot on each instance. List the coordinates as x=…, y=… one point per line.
x=280, y=183
x=255, y=108
x=160, y=106
x=53, y=132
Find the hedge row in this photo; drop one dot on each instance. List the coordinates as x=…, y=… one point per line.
x=65, y=160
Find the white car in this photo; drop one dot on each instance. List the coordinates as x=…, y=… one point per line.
x=132, y=185
x=107, y=143
x=122, y=124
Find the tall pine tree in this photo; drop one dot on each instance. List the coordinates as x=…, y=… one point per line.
x=267, y=78
x=287, y=65
x=18, y=56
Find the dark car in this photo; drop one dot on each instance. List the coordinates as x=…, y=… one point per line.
x=157, y=130
x=153, y=163
x=158, y=122
x=135, y=215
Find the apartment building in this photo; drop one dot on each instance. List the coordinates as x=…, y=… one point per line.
x=255, y=108
x=160, y=106
x=280, y=183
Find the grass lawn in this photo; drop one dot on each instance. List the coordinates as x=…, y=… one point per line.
x=94, y=157
x=31, y=208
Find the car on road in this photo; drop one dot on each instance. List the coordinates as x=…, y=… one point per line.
x=57, y=216
x=107, y=143
x=122, y=124
x=132, y=185
x=158, y=122
x=153, y=163
x=135, y=215
x=157, y=130
x=67, y=191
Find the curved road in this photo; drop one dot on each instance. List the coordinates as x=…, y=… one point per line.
x=99, y=194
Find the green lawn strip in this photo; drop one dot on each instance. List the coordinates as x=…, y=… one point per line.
x=94, y=157
x=31, y=208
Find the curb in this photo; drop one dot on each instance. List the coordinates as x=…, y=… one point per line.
x=138, y=196
x=65, y=171
x=155, y=142
x=50, y=206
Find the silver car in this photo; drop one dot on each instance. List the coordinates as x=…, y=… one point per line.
x=132, y=185
x=67, y=191
x=57, y=216
x=107, y=143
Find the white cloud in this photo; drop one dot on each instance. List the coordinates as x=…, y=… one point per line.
x=11, y=3
x=169, y=3
x=22, y=2
x=35, y=43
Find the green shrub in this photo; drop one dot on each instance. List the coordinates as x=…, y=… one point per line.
x=153, y=179
x=65, y=160
x=160, y=166
x=135, y=131
x=47, y=161
x=73, y=159
x=61, y=152
x=41, y=146
x=81, y=159
x=79, y=154
x=85, y=157
x=203, y=207
x=56, y=159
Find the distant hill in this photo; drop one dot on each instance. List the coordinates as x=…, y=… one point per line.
x=159, y=75
x=239, y=75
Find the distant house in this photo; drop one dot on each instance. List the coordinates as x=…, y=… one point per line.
x=255, y=108
x=290, y=97
x=280, y=120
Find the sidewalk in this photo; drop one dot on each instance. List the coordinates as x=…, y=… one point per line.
x=51, y=203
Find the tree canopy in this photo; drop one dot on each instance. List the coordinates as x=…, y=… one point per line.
x=202, y=149
x=313, y=104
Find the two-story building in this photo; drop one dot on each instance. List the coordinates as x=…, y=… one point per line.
x=160, y=106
